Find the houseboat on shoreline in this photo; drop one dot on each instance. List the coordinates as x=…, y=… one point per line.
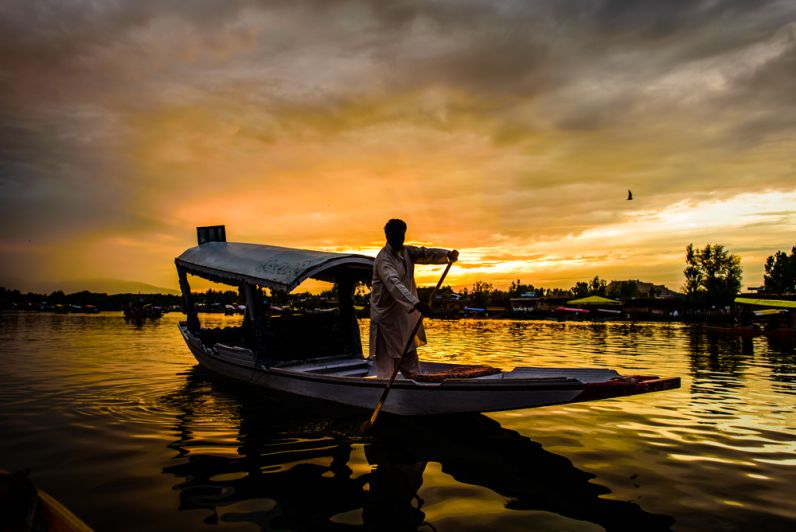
x=760, y=317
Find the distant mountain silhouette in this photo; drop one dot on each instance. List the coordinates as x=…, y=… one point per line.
x=108, y=286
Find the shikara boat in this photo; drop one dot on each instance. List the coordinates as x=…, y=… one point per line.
x=760, y=317
x=55, y=517
x=319, y=354
x=737, y=330
x=24, y=507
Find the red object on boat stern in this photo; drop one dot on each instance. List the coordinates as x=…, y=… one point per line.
x=621, y=386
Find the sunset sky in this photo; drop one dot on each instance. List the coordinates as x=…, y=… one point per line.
x=508, y=130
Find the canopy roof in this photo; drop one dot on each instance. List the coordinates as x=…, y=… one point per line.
x=594, y=300
x=276, y=267
x=775, y=303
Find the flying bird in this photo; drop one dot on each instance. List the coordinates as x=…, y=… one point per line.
x=629, y=195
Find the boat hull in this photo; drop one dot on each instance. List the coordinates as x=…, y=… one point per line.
x=749, y=331
x=55, y=517
x=507, y=391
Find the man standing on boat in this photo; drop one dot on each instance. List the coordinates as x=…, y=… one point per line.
x=394, y=305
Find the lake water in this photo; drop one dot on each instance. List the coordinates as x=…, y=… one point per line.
x=119, y=423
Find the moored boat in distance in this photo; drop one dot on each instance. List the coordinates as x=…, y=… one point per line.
x=760, y=317
x=137, y=311
x=739, y=330
x=319, y=354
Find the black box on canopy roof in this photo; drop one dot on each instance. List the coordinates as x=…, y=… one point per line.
x=211, y=233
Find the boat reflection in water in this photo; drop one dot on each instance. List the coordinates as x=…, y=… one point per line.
x=296, y=464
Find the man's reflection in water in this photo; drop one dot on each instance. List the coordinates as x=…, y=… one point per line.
x=393, y=502
x=477, y=450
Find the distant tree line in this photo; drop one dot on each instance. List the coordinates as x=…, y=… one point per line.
x=483, y=294
x=14, y=299
x=713, y=274
x=712, y=277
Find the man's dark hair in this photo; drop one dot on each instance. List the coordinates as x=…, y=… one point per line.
x=394, y=227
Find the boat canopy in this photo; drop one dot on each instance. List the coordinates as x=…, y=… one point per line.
x=774, y=303
x=277, y=268
x=594, y=300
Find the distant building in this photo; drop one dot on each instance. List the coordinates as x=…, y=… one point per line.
x=634, y=289
x=452, y=305
x=523, y=303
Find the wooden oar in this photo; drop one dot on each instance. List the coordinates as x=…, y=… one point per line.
x=367, y=425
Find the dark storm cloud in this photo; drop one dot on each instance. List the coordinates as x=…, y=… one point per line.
x=770, y=86
x=496, y=53
x=52, y=184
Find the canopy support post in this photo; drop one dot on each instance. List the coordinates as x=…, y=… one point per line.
x=190, y=308
x=255, y=315
x=348, y=319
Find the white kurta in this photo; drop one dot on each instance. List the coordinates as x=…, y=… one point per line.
x=393, y=296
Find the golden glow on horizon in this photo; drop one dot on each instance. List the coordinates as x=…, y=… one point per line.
x=644, y=244
x=607, y=248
